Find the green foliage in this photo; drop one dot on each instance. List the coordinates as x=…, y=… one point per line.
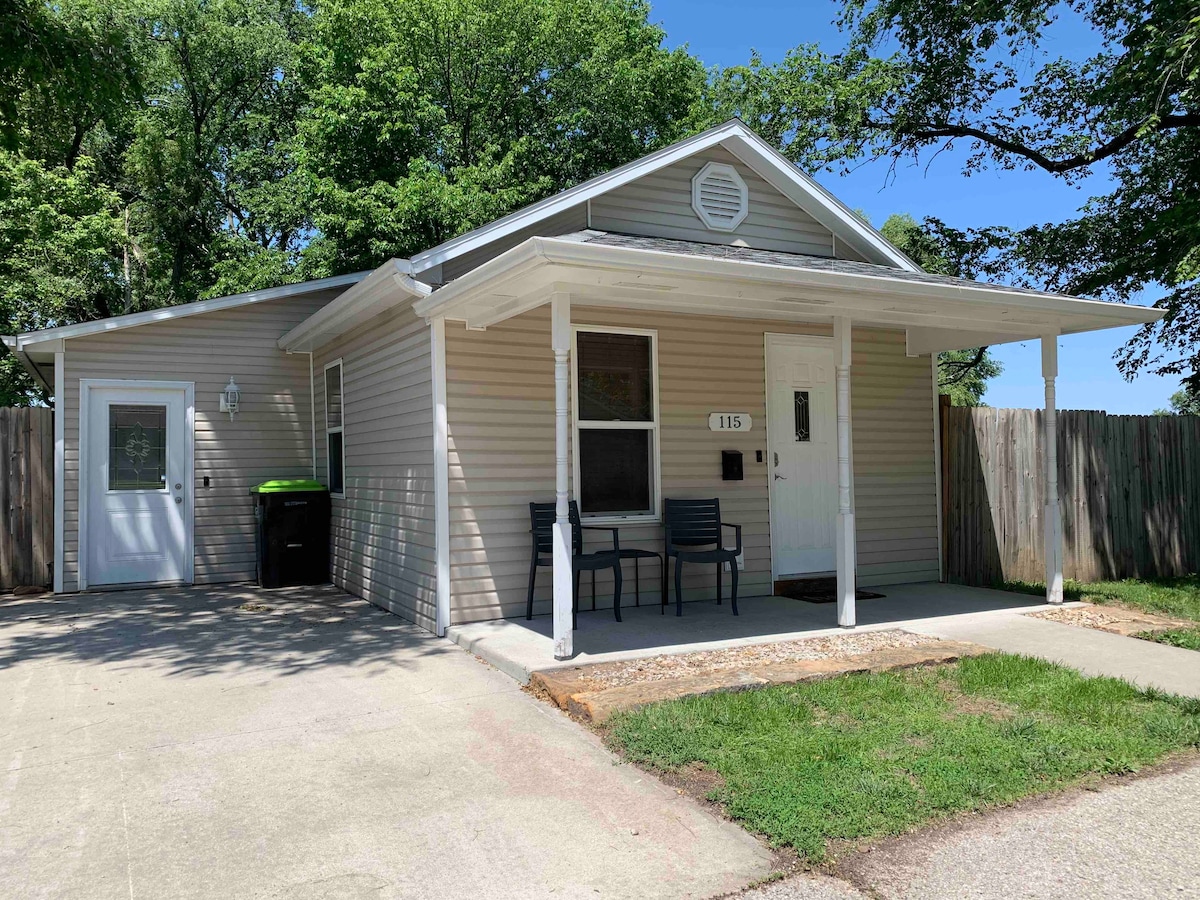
x=180, y=149
x=870, y=755
x=431, y=117
x=918, y=76
x=59, y=230
x=1184, y=402
x=1187, y=638
x=962, y=374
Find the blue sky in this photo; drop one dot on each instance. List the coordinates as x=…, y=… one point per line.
x=1088, y=377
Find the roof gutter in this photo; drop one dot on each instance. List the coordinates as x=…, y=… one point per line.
x=12, y=342
x=368, y=298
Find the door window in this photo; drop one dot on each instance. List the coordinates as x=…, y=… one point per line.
x=137, y=448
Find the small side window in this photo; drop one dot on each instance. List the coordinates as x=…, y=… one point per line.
x=335, y=451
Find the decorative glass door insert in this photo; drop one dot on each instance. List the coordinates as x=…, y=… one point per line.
x=137, y=448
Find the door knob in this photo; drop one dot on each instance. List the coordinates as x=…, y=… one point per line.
x=779, y=477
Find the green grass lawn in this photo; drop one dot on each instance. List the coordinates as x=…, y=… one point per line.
x=1175, y=597
x=868, y=755
x=1187, y=638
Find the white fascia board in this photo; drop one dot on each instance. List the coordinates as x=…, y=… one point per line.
x=811, y=196
x=379, y=291
x=1068, y=313
x=576, y=196
x=132, y=320
x=585, y=254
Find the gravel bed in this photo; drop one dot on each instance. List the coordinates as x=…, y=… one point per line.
x=1113, y=619
x=657, y=668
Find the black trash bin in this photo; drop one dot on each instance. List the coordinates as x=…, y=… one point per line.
x=292, y=534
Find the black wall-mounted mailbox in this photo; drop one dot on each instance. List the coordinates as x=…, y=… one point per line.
x=731, y=465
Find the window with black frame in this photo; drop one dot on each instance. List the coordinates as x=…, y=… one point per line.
x=616, y=437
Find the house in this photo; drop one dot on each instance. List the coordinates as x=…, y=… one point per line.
x=706, y=298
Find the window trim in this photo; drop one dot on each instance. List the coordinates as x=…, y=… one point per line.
x=654, y=427
x=337, y=429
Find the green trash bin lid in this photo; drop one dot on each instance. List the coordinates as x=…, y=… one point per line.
x=287, y=486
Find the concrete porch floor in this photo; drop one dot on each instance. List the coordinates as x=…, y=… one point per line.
x=519, y=647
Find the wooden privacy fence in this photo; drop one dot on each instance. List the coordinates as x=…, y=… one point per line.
x=26, y=497
x=1129, y=488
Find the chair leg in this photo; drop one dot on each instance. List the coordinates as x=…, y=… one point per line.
x=678, y=586
x=733, y=577
x=664, y=574
x=637, y=583
x=532, y=579
x=719, y=567
x=617, y=579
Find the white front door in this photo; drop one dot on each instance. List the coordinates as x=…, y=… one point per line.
x=802, y=434
x=138, y=483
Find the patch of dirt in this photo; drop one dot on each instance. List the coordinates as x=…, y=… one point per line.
x=974, y=704
x=256, y=608
x=657, y=668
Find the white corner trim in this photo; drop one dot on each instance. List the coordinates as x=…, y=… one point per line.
x=720, y=197
x=60, y=467
x=441, y=473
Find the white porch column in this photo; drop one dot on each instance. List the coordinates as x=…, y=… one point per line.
x=1053, y=515
x=560, y=333
x=846, y=548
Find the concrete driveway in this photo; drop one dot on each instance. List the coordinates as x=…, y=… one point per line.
x=231, y=742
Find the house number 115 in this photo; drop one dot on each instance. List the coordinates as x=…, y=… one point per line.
x=729, y=421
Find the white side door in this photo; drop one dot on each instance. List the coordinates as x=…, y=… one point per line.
x=137, y=483
x=802, y=437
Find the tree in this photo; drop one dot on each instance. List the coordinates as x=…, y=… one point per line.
x=431, y=117
x=920, y=76
x=59, y=230
x=962, y=374
x=1184, y=402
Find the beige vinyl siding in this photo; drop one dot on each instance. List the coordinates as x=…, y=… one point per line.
x=660, y=205
x=500, y=388
x=269, y=438
x=383, y=529
x=565, y=222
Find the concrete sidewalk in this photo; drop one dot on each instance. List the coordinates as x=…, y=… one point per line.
x=1135, y=839
x=233, y=742
x=1092, y=652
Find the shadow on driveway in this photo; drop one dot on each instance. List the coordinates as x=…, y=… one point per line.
x=192, y=631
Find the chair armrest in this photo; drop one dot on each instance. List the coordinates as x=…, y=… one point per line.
x=616, y=539
x=737, y=529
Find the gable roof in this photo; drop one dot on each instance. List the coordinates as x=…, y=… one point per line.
x=23, y=342
x=734, y=135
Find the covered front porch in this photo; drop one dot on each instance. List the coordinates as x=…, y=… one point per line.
x=602, y=276
x=518, y=647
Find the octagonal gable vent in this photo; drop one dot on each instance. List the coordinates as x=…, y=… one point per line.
x=719, y=197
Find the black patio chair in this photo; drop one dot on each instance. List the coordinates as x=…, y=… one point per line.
x=541, y=520
x=693, y=534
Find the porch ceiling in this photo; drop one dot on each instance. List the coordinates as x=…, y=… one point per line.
x=600, y=269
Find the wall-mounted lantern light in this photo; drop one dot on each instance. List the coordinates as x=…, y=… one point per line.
x=230, y=397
